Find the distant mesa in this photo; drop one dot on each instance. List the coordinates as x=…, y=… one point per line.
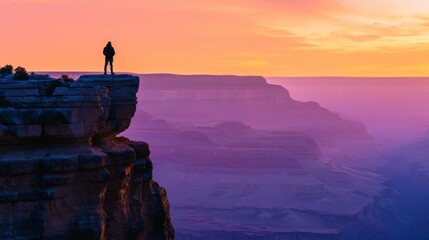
x=248, y=99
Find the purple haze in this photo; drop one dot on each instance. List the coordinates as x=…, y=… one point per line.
x=289, y=158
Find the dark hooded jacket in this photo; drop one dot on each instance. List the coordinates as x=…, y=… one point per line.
x=109, y=51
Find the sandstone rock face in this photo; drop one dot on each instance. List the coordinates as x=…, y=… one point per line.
x=63, y=172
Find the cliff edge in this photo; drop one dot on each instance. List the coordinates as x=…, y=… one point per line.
x=63, y=172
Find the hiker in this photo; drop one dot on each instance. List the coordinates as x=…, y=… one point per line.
x=109, y=52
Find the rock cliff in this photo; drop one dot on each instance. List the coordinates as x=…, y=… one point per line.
x=63, y=172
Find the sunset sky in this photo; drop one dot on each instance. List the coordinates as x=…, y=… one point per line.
x=245, y=37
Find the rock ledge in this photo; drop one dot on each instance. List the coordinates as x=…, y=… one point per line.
x=63, y=172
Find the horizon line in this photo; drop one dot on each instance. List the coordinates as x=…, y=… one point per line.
x=212, y=74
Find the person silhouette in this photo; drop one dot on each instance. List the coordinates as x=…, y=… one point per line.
x=108, y=52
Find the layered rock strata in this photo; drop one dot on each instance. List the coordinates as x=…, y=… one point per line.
x=63, y=172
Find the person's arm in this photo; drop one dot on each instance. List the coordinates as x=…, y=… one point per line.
x=113, y=51
x=104, y=51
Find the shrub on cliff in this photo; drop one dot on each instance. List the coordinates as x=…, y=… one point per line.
x=6, y=70
x=20, y=74
x=66, y=78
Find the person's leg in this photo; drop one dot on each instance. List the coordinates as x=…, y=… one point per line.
x=105, y=66
x=111, y=67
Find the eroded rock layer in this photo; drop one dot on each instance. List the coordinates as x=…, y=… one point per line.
x=63, y=172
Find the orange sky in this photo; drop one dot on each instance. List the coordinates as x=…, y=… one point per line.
x=245, y=37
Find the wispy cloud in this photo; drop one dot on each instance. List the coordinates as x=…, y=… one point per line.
x=267, y=37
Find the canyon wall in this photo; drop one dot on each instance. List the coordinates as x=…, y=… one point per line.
x=244, y=160
x=63, y=172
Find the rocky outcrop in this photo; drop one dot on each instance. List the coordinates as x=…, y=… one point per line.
x=63, y=172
